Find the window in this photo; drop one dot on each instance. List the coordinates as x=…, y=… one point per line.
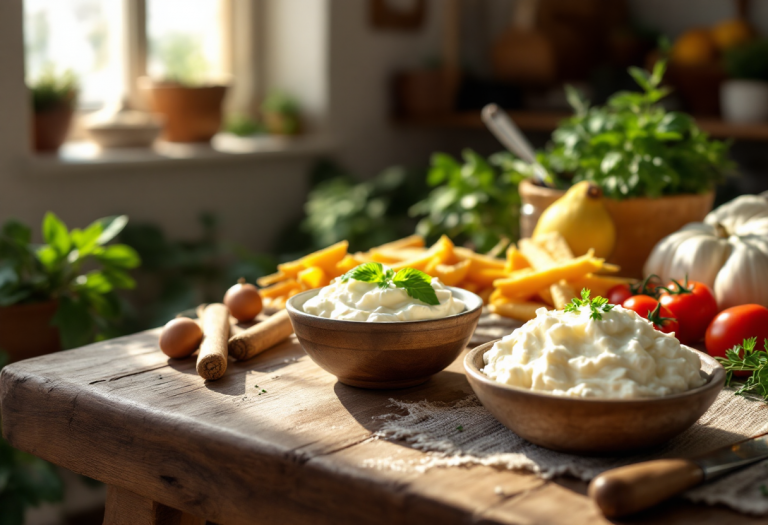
x=107, y=44
x=188, y=48
x=84, y=36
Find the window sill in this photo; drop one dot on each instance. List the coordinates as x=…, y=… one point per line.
x=224, y=148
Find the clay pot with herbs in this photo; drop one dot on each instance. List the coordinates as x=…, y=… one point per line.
x=53, y=101
x=657, y=170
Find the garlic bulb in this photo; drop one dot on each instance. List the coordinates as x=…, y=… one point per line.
x=728, y=252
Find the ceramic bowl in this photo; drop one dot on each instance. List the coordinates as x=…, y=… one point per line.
x=384, y=355
x=592, y=426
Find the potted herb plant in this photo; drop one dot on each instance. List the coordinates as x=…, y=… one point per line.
x=190, y=105
x=656, y=167
x=53, y=102
x=281, y=114
x=744, y=96
x=60, y=294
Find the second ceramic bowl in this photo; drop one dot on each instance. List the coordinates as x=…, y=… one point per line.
x=593, y=426
x=384, y=355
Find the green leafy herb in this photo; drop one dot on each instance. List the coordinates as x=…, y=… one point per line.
x=370, y=273
x=748, y=61
x=416, y=284
x=633, y=147
x=598, y=305
x=460, y=428
x=474, y=200
x=74, y=267
x=52, y=90
x=745, y=358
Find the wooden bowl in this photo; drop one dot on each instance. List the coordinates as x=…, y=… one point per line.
x=590, y=426
x=384, y=355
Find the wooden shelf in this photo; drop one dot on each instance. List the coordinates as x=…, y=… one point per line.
x=546, y=121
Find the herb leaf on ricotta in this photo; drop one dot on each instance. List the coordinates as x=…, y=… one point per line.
x=372, y=272
x=597, y=306
x=416, y=283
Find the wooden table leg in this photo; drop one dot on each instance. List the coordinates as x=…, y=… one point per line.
x=128, y=508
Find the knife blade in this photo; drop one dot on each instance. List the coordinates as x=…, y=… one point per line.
x=732, y=457
x=629, y=489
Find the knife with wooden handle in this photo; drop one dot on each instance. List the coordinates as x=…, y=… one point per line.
x=626, y=490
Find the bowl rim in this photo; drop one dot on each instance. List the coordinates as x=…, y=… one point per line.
x=716, y=380
x=293, y=310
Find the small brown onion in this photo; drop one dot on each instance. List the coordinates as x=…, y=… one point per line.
x=180, y=337
x=243, y=301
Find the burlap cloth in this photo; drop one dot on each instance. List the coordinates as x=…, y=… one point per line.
x=465, y=433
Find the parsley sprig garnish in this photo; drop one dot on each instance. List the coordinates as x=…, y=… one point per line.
x=745, y=358
x=597, y=306
x=416, y=284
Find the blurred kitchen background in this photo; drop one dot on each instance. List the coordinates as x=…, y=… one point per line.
x=238, y=133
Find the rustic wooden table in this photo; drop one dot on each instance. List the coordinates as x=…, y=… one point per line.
x=175, y=449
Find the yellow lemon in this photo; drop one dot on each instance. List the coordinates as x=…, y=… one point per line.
x=581, y=218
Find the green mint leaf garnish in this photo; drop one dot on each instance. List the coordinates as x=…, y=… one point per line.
x=372, y=272
x=417, y=284
x=597, y=306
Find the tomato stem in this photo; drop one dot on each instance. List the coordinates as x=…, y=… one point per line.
x=642, y=288
x=654, y=316
x=681, y=288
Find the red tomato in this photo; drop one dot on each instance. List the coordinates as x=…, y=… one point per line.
x=731, y=326
x=693, y=305
x=619, y=293
x=649, y=308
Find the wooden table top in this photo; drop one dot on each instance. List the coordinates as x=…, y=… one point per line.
x=122, y=413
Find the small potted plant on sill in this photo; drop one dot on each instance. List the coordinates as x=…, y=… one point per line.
x=281, y=114
x=744, y=96
x=191, y=105
x=53, y=102
x=60, y=294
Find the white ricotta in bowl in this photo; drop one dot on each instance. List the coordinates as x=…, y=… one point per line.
x=361, y=301
x=619, y=357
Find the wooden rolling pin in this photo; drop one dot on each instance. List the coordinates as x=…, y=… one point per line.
x=261, y=336
x=212, y=359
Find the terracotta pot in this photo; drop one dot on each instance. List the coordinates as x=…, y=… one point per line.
x=640, y=222
x=50, y=127
x=191, y=114
x=26, y=330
